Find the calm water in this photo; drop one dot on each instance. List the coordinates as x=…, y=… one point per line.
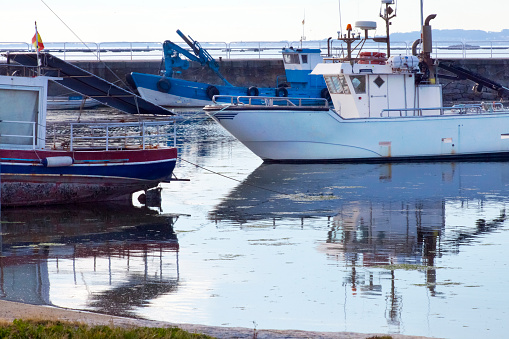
x=416, y=249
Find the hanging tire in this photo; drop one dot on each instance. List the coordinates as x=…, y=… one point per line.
x=281, y=92
x=211, y=91
x=324, y=93
x=164, y=85
x=253, y=91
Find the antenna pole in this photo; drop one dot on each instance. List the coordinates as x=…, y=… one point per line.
x=387, y=15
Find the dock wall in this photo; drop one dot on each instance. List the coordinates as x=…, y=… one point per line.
x=264, y=72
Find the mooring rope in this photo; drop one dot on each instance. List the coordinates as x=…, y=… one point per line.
x=200, y=112
x=91, y=50
x=237, y=180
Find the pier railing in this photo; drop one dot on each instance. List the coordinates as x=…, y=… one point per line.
x=108, y=51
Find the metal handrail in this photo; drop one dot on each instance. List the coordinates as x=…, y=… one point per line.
x=34, y=136
x=456, y=109
x=269, y=101
x=118, y=132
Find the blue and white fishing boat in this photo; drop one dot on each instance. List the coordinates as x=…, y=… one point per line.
x=386, y=108
x=165, y=90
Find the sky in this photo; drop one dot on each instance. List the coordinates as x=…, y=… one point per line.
x=228, y=20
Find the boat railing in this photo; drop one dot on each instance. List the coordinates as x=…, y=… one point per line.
x=485, y=107
x=269, y=101
x=29, y=136
x=112, y=135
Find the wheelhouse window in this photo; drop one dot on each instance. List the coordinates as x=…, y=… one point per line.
x=337, y=84
x=358, y=83
x=292, y=58
x=304, y=58
x=19, y=116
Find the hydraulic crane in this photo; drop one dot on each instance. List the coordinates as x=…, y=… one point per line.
x=172, y=57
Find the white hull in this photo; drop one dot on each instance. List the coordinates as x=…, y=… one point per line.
x=170, y=100
x=58, y=104
x=292, y=135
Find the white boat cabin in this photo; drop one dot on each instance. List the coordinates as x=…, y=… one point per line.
x=372, y=87
x=23, y=112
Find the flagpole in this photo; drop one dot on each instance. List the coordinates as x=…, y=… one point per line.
x=37, y=49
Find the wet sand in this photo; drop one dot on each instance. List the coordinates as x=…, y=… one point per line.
x=12, y=310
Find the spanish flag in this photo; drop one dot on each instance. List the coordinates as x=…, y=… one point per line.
x=37, y=41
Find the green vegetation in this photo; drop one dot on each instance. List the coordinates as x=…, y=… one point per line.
x=57, y=329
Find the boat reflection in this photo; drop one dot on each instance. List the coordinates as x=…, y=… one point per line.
x=379, y=217
x=104, y=258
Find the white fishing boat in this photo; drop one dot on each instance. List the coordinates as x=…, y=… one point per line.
x=386, y=108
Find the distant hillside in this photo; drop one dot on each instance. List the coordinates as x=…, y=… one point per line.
x=454, y=35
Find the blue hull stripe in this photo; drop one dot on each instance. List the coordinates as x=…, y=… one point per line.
x=142, y=171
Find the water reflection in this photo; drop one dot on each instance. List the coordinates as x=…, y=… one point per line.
x=392, y=217
x=105, y=258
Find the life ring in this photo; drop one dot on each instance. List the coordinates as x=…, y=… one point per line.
x=324, y=93
x=372, y=58
x=211, y=91
x=253, y=91
x=372, y=54
x=164, y=85
x=281, y=92
x=373, y=61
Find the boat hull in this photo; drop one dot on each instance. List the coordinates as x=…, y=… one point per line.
x=300, y=135
x=71, y=104
x=184, y=93
x=171, y=100
x=93, y=176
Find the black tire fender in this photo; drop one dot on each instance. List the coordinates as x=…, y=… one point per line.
x=324, y=93
x=281, y=92
x=253, y=91
x=163, y=85
x=211, y=91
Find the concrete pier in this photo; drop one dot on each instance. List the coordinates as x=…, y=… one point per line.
x=264, y=72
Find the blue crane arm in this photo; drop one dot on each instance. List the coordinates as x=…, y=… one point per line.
x=172, y=58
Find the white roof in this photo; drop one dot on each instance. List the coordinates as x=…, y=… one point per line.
x=327, y=68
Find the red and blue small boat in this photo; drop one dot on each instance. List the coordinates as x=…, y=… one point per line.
x=78, y=162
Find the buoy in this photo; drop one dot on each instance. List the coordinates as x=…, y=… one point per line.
x=57, y=161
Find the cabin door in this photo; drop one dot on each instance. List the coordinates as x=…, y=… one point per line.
x=378, y=94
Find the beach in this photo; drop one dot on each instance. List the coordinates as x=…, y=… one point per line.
x=10, y=311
